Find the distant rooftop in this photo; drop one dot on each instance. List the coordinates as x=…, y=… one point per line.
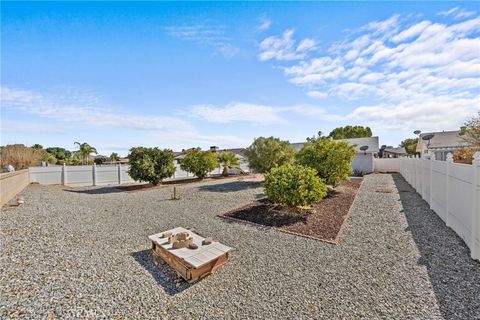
x=442, y=140
x=370, y=142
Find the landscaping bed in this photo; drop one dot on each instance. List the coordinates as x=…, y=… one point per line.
x=323, y=221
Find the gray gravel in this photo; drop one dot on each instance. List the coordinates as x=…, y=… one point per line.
x=84, y=253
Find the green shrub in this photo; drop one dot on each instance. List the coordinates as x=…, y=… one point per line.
x=267, y=153
x=150, y=164
x=358, y=173
x=294, y=185
x=331, y=159
x=199, y=162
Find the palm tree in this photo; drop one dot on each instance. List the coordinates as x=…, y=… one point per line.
x=84, y=149
x=228, y=160
x=114, y=156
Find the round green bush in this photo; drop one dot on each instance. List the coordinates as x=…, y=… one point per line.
x=294, y=185
x=199, y=162
x=150, y=164
x=332, y=159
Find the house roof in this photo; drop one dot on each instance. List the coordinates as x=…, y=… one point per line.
x=370, y=142
x=442, y=140
x=398, y=150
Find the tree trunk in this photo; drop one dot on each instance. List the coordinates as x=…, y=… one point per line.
x=225, y=171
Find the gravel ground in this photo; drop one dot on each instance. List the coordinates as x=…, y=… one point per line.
x=84, y=253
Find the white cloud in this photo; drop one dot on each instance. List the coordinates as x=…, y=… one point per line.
x=238, y=111
x=457, y=13
x=265, y=24
x=206, y=36
x=317, y=94
x=411, y=74
x=82, y=108
x=285, y=47
x=258, y=114
x=411, y=32
x=432, y=114
x=82, y=111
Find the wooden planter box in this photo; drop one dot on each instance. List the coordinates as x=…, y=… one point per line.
x=190, y=264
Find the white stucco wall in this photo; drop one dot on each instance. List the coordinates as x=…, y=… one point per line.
x=363, y=162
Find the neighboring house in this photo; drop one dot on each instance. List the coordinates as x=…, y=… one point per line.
x=391, y=152
x=363, y=160
x=441, y=143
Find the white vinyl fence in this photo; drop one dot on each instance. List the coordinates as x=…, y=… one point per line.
x=451, y=189
x=80, y=175
x=387, y=164
x=96, y=175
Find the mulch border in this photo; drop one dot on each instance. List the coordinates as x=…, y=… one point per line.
x=261, y=226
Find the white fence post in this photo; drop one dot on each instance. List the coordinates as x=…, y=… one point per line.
x=64, y=174
x=474, y=249
x=119, y=173
x=447, y=200
x=94, y=174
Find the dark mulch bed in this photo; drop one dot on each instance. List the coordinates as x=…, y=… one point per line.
x=323, y=221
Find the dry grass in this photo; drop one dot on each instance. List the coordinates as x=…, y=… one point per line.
x=19, y=156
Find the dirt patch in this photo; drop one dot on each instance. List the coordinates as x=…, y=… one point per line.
x=324, y=221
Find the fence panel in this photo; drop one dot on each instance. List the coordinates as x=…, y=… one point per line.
x=79, y=175
x=387, y=164
x=46, y=175
x=426, y=164
x=460, y=187
x=106, y=175
x=439, y=189
x=452, y=191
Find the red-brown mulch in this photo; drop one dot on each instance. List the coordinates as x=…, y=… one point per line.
x=324, y=221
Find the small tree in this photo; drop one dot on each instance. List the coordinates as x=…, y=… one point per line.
x=59, y=153
x=350, y=132
x=410, y=145
x=199, y=162
x=471, y=131
x=114, y=157
x=267, y=153
x=100, y=159
x=150, y=164
x=46, y=156
x=84, y=149
x=228, y=160
x=294, y=185
x=331, y=159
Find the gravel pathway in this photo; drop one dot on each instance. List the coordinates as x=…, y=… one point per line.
x=84, y=253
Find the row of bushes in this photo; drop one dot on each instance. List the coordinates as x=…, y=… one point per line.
x=300, y=178
x=291, y=178
x=153, y=164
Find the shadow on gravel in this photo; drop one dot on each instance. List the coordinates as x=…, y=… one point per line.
x=103, y=190
x=161, y=272
x=454, y=276
x=233, y=186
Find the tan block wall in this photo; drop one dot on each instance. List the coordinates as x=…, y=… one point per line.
x=11, y=184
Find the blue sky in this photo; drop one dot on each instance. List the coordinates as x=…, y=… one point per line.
x=178, y=75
